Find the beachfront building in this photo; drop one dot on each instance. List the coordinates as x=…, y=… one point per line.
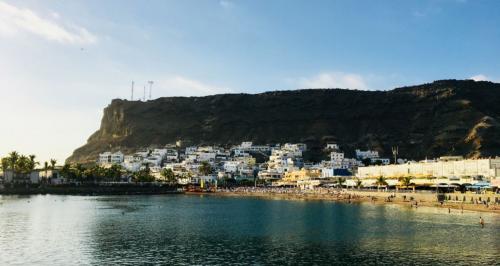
x=303, y=178
x=448, y=168
x=10, y=177
x=270, y=175
x=283, y=161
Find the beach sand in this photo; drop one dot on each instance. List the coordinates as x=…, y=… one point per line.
x=357, y=197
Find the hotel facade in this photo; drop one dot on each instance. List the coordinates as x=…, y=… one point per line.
x=446, y=167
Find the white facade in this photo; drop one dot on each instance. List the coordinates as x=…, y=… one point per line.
x=191, y=150
x=336, y=156
x=206, y=156
x=332, y=146
x=369, y=154
x=246, y=144
x=488, y=168
x=233, y=166
x=110, y=158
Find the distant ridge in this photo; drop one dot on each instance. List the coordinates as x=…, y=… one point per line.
x=446, y=117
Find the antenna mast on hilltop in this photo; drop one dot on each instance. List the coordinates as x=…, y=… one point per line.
x=144, y=97
x=132, y=93
x=150, y=88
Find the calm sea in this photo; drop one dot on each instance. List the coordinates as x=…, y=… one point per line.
x=201, y=230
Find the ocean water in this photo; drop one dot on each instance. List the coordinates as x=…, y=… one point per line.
x=213, y=230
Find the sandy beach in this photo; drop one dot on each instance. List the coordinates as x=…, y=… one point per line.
x=368, y=197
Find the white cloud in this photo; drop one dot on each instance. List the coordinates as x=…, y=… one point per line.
x=182, y=86
x=226, y=4
x=480, y=77
x=15, y=20
x=333, y=80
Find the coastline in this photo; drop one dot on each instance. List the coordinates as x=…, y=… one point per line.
x=344, y=196
x=91, y=190
x=356, y=198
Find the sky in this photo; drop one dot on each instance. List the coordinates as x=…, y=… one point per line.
x=62, y=62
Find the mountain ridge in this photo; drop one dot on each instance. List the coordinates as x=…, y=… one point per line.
x=445, y=117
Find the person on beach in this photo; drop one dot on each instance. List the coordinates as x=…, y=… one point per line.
x=481, y=221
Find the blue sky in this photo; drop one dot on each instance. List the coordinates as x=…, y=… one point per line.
x=61, y=62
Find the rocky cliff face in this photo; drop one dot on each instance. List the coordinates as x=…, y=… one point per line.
x=447, y=117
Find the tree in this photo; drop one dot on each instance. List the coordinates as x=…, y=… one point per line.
x=405, y=181
x=23, y=165
x=205, y=168
x=53, y=164
x=12, y=160
x=144, y=175
x=114, y=172
x=340, y=181
x=5, y=164
x=79, y=172
x=169, y=175
x=255, y=173
x=67, y=172
x=359, y=183
x=32, y=163
x=366, y=161
x=45, y=169
x=380, y=182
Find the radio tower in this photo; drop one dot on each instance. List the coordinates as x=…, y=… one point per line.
x=150, y=88
x=395, y=151
x=132, y=93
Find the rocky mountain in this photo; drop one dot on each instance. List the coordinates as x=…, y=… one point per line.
x=447, y=117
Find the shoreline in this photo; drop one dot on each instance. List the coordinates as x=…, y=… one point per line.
x=91, y=190
x=344, y=198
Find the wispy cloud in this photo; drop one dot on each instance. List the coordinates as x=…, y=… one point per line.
x=15, y=20
x=182, y=86
x=333, y=80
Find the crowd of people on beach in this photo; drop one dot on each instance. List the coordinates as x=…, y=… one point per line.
x=327, y=193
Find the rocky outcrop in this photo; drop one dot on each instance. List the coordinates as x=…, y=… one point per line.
x=449, y=117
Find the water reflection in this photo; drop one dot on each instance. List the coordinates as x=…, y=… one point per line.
x=62, y=230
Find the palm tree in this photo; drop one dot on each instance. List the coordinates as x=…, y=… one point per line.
x=5, y=164
x=405, y=181
x=53, y=164
x=12, y=161
x=205, y=168
x=340, y=181
x=32, y=162
x=45, y=169
x=169, y=175
x=380, y=182
x=359, y=183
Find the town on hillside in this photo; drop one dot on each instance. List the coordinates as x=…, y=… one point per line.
x=247, y=164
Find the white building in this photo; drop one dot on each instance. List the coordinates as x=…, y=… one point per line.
x=233, y=166
x=489, y=168
x=332, y=146
x=336, y=156
x=369, y=154
x=108, y=158
x=191, y=150
x=206, y=156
